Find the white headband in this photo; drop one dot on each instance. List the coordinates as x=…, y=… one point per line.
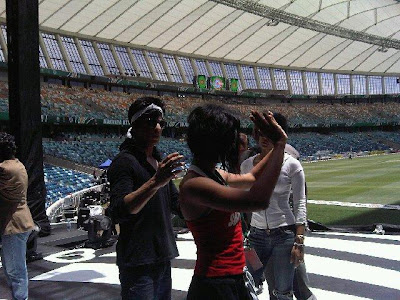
x=138, y=114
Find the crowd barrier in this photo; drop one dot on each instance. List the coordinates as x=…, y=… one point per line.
x=72, y=200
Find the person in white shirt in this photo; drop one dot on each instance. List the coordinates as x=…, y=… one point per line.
x=277, y=233
x=301, y=283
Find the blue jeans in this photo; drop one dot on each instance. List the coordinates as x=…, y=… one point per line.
x=300, y=283
x=13, y=258
x=146, y=282
x=276, y=246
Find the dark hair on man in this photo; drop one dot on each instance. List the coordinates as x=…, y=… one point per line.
x=7, y=146
x=282, y=121
x=141, y=103
x=213, y=134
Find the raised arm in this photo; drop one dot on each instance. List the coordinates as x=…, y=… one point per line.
x=245, y=181
x=128, y=199
x=136, y=200
x=205, y=192
x=269, y=129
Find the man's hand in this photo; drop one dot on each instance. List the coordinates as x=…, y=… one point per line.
x=169, y=168
x=297, y=255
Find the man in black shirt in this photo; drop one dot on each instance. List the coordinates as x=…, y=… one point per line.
x=142, y=198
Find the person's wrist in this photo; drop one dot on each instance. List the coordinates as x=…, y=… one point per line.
x=155, y=182
x=280, y=144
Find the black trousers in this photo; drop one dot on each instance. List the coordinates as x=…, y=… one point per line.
x=218, y=288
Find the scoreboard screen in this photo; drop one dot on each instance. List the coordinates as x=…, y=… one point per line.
x=201, y=81
x=233, y=84
x=217, y=83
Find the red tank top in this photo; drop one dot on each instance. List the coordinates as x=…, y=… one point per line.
x=219, y=240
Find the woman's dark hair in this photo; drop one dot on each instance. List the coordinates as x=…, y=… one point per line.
x=141, y=103
x=7, y=146
x=213, y=134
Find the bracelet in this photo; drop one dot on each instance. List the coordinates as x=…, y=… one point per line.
x=298, y=245
x=299, y=238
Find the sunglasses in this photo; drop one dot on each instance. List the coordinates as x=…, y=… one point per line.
x=152, y=122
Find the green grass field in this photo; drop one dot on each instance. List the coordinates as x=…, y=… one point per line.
x=372, y=179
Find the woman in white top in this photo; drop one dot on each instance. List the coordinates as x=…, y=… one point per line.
x=277, y=233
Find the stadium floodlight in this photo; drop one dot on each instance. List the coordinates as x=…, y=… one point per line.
x=278, y=15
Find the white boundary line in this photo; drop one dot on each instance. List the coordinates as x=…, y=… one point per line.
x=352, y=204
x=342, y=158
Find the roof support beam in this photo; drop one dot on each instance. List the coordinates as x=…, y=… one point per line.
x=241, y=78
x=45, y=53
x=289, y=83
x=295, y=20
x=64, y=53
x=100, y=58
x=165, y=66
x=150, y=65
x=320, y=83
x=351, y=85
x=257, y=77
x=304, y=80
x=272, y=76
x=181, y=70
x=133, y=61
x=335, y=84
x=116, y=59
x=83, y=56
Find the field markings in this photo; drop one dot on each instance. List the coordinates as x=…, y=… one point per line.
x=83, y=272
x=385, y=251
x=322, y=294
x=352, y=271
x=353, y=204
x=364, y=235
x=391, y=161
x=336, y=267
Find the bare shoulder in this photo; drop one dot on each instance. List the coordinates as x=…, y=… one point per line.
x=188, y=196
x=189, y=175
x=193, y=182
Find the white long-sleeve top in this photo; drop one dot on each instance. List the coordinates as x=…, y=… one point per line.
x=279, y=212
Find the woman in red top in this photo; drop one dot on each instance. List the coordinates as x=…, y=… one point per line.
x=211, y=208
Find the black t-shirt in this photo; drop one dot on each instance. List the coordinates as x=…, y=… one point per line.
x=146, y=237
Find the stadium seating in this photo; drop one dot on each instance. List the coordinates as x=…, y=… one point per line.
x=60, y=182
x=337, y=143
x=93, y=153
x=58, y=100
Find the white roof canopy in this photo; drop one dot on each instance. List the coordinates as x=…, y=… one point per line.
x=206, y=28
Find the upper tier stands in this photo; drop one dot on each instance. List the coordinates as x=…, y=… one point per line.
x=58, y=100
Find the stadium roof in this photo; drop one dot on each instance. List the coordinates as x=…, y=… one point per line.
x=242, y=30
